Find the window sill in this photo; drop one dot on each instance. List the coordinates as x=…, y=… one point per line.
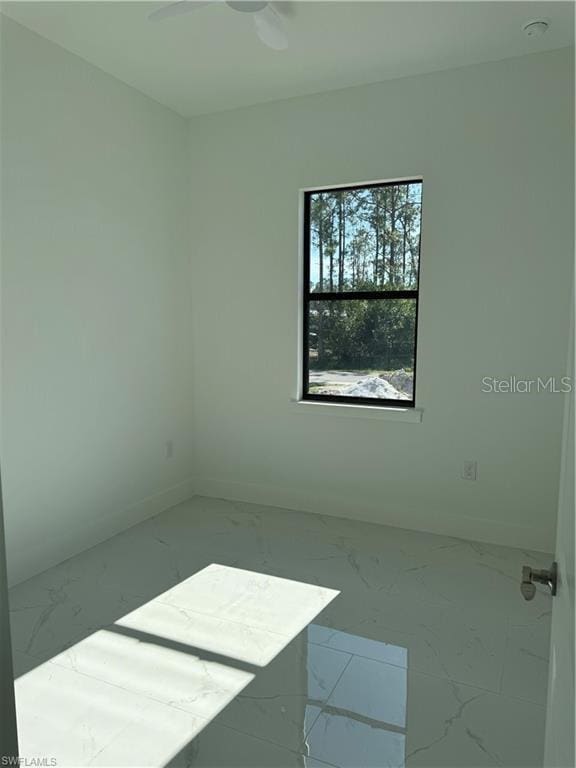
x=379, y=413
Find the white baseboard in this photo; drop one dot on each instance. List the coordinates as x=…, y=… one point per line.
x=44, y=555
x=429, y=520
x=22, y=566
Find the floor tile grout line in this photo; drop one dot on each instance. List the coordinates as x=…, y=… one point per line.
x=501, y=658
x=215, y=719
x=148, y=697
x=349, y=714
x=335, y=519
x=368, y=658
x=420, y=672
x=241, y=623
x=139, y=694
x=445, y=678
x=498, y=691
x=66, y=647
x=483, y=691
x=491, y=691
x=281, y=511
x=463, y=542
x=192, y=611
x=269, y=741
x=479, y=688
x=360, y=655
x=307, y=732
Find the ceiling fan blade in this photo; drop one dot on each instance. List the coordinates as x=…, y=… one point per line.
x=177, y=9
x=270, y=29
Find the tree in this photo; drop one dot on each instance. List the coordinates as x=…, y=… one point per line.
x=365, y=240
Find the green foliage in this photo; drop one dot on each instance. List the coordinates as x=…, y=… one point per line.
x=362, y=334
x=364, y=240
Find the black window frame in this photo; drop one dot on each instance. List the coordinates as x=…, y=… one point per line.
x=309, y=296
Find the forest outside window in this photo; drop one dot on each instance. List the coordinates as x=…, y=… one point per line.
x=361, y=267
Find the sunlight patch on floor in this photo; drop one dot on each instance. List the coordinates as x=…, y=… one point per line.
x=178, y=660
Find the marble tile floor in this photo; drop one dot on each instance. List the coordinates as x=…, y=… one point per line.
x=228, y=634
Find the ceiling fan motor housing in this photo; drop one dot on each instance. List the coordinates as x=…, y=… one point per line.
x=245, y=6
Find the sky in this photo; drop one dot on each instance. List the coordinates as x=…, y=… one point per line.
x=415, y=193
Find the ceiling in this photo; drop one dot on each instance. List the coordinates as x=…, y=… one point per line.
x=210, y=59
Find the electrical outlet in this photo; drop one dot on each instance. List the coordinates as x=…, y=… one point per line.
x=169, y=448
x=470, y=470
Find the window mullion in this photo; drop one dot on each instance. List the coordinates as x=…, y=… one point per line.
x=341, y=250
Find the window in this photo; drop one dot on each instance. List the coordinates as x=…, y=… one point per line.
x=361, y=265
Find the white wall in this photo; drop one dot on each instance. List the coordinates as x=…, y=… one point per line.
x=494, y=145
x=100, y=323
x=95, y=304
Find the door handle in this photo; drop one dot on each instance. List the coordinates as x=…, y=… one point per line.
x=530, y=577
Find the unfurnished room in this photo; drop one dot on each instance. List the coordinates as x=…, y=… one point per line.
x=287, y=384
